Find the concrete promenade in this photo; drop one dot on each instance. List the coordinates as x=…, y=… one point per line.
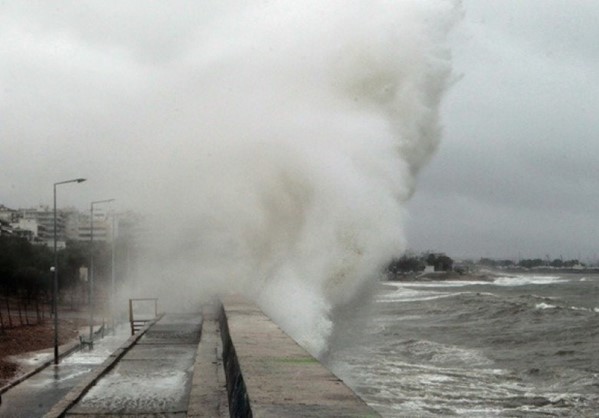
x=148, y=376
x=229, y=360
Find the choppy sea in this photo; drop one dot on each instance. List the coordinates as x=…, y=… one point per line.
x=520, y=346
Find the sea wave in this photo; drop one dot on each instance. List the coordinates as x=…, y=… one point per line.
x=544, y=306
x=411, y=295
x=480, y=350
x=527, y=280
x=447, y=283
x=520, y=280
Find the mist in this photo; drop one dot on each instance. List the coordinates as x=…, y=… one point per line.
x=285, y=177
x=272, y=149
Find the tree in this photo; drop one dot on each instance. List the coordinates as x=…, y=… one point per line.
x=74, y=256
x=440, y=261
x=407, y=263
x=32, y=281
x=531, y=263
x=23, y=265
x=412, y=263
x=488, y=262
x=572, y=263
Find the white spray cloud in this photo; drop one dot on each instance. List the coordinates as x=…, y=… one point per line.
x=310, y=122
x=276, y=145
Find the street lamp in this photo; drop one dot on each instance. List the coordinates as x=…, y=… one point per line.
x=55, y=270
x=112, y=271
x=91, y=269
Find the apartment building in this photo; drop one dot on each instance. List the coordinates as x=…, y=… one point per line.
x=37, y=225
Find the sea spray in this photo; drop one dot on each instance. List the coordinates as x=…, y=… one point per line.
x=284, y=176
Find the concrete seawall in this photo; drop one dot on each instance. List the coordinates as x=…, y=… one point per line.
x=269, y=375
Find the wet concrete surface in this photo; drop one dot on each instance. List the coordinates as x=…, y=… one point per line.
x=166, y=371
x=153, y=378
x=35, y=396
x=208, y=397
x=281, y=379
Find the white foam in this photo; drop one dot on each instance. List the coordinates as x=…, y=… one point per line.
x=445, y=283
x=544, y=305
x=407, y=295
x=412, y=295
x=578, y=308
x=527, y=280
x=412, y=388
x=441, y=354
x=133, y=392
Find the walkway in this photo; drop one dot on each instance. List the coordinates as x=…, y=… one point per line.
x=153, y=378
x=243, y=365
x=37, y=395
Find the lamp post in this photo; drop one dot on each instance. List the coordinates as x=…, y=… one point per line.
x=55, y=270
x=112, y=271
x=91, y=269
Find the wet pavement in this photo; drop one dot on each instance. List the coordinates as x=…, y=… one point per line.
x=37, y=395
x=153, y=377
x=166, y=371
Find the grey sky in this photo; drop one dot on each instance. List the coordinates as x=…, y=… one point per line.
x=516, y=173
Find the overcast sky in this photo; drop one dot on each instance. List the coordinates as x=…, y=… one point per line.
x=516, y=174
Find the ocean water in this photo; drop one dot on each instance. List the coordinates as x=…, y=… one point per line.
x=523, y=346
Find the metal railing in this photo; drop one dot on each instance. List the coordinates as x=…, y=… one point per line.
x=139, y=322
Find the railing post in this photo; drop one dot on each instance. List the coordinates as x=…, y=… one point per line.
x=133, y=321
x=131, y=316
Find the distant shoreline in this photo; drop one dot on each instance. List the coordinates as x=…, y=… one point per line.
x=445, y=276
